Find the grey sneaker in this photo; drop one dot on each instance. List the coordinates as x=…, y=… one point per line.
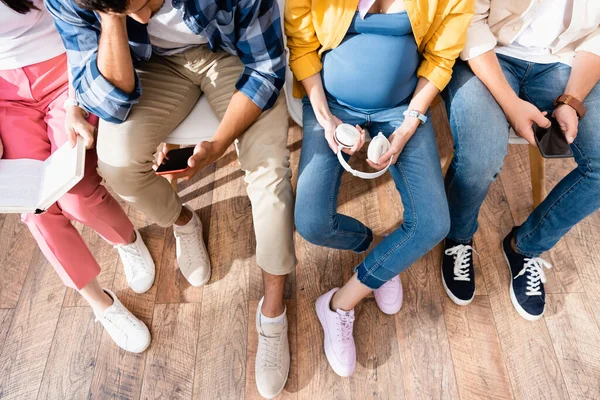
x=272, y=357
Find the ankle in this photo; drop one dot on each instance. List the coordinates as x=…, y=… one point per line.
x=272, y=310
x=336, y=304
x=133, y=237
x=101, y=304
x=513, y=245
x=185, y=216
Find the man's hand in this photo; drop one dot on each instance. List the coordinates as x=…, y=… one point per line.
x=205, y=153
x=77, y=125
x=568, y=121
x=398, y=140
x=521, y=115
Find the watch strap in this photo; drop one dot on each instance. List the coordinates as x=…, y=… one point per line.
x=415, y=114
x=572, y=102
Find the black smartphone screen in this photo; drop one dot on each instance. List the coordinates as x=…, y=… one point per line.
x=176, y=160
x=551, y=141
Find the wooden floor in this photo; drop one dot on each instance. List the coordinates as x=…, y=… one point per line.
x=204, y=340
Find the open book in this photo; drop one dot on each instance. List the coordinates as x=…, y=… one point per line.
x=31, y=186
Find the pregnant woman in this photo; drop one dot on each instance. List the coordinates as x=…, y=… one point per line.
x=374, y=64
x=37, y=116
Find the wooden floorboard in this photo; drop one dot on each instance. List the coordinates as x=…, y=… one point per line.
x=204, y=339
x=18, y=249
x=170, y=361
x=27, y=344
x=221, y=358
x=527, y=347
x=72, y=359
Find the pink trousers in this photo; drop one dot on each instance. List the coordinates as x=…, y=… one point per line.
x=32, y=126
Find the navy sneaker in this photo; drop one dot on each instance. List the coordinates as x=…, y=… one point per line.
x=527, y=284
x=458, y=273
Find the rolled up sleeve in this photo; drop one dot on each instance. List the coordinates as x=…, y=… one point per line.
x=445, y=45
x=480, y=38
x=302, y=39
x=80, y=32
x=260, y=47
x=591, y=44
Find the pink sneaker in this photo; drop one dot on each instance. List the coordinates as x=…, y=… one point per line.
x=389, y=296
x=339, y=342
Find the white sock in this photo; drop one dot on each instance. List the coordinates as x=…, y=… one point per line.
x=272, y=321
x=190, y=227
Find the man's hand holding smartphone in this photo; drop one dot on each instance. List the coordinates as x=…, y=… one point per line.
x=568, y=120
x=522, y=115
x=185, y=163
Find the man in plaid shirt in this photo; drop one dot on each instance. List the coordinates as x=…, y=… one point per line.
x=141, y=66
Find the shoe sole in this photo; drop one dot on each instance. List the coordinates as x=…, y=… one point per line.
x=327, y=353
x=513, y=298
x=454, y=299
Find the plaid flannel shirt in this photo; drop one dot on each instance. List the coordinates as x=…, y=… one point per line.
x=249, y=29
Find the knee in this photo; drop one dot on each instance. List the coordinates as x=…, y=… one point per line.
x=431, y=228
x=480, y=166
x=123, y=162
x=314, y=226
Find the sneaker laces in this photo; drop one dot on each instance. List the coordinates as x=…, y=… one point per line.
x=462, y=255
x=133, y=262
x=345, y=327
x=270, y=355
x=535, y=274
x=114, y=318
x=187, y=241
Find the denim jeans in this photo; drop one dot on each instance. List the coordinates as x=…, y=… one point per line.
x=480, y=131
x=416, y=174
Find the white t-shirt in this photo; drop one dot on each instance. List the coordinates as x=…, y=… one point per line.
x=168, y=32
x=27, y=39
x=534, y=43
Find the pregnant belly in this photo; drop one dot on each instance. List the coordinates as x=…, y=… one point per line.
x=371, y=72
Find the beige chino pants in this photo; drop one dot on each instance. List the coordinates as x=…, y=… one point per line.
x=171, y=87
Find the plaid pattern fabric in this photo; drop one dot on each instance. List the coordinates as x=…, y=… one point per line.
x=249, y=29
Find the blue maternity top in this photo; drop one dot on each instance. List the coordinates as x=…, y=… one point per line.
x=375, y=66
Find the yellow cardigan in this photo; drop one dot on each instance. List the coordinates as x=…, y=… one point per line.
x=315, y=26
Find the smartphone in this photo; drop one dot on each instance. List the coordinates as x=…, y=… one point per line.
x=176, y=161
x=551, y=141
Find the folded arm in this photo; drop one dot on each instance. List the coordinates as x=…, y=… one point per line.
x=80, y=31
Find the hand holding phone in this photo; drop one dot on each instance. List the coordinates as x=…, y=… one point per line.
x=175, y=161
x=551, y=141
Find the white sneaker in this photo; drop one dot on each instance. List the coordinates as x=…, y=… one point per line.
x=338, y=340
x=272, y=356
x=128, y=332
x=192, y=256
x=138, y=264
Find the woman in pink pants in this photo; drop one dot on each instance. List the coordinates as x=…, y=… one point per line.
x=38, y=114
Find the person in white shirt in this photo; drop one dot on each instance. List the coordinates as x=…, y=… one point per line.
x=37, y=116
x=524, y=61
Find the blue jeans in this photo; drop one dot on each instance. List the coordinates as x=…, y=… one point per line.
x=480, y=131
x=418, y=178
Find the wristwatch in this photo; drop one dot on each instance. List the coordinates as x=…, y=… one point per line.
x=69, y=102
x=572, y=102
x=415, y=114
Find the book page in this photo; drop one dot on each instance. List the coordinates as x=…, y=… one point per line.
x=20, y=182
x=62, y=170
